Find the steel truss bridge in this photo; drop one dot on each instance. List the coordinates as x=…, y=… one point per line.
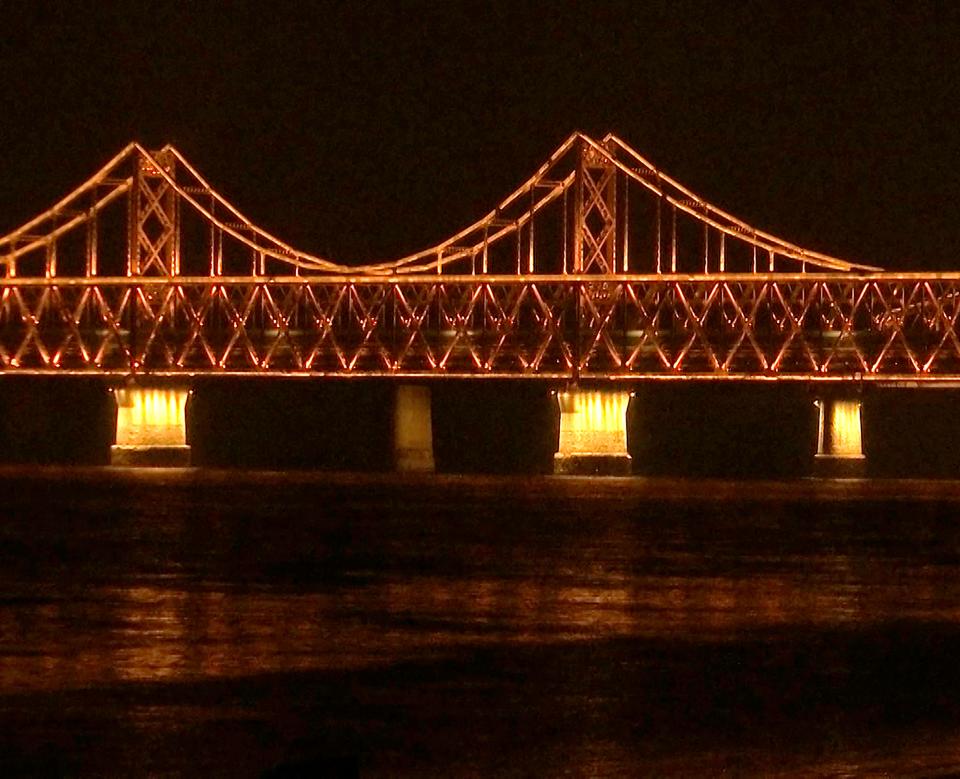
x=599, y=267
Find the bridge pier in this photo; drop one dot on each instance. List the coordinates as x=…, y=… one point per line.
x=151, y=427
x=593, y=433
x=839, y=438
x=412, y=429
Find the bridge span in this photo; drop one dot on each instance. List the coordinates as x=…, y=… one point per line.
x=600, y=272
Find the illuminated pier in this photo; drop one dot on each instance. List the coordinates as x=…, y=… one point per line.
x=593, y=432
x=840, y=437
x=151, y=426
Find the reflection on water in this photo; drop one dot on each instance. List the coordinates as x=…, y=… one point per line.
x=236, y=622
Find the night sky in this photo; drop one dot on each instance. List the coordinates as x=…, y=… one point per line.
x=364, y=131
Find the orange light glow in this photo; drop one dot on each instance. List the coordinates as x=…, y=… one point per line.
x=840, y=430
x=151, y=417
x=593, y=422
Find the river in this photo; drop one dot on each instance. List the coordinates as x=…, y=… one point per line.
x=232, y=623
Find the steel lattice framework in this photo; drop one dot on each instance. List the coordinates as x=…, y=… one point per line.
x=599, y=267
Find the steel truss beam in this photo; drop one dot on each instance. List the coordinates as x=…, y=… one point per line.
x=765, y=326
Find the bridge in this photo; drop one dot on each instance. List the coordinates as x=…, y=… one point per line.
x=597, y=272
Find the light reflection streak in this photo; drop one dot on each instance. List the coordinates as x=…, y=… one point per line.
x=175, y=630
x=158, y=633
x=153, y=618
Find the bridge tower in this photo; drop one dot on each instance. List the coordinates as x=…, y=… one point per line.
x=151, y=418
x=593, y=424
x=596, y=222
x=153, y=242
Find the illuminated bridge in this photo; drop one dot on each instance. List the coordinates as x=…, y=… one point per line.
x=598, y=272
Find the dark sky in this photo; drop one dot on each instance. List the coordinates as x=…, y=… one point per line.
x=367, y=130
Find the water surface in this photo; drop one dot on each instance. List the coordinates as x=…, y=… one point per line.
x=189, y=622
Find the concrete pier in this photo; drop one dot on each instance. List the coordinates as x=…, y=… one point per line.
x=151, y=427
x=839, y=438
x=412, y=429
x=593, y=433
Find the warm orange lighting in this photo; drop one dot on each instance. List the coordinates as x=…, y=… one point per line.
x=151, y=417
x=593, y=422
x=840, y=430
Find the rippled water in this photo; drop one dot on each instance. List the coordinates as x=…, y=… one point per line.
x=248, y=624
